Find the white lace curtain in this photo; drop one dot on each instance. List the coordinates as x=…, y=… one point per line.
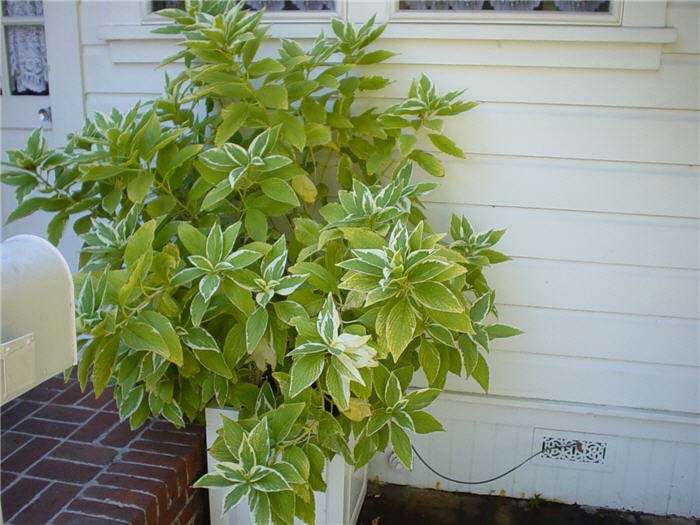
x=505, y=5
x=270, y=5
x=26, y=49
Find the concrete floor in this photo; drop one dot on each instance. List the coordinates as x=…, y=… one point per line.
x=400, y=505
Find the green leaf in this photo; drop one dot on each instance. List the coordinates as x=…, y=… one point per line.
x=138, y=187
x=419, y=399
x=305, y=370
x=260, y=507
x=273, y=96
x=401, y=445
x=217, y=194
x=279, y=190
x=406, y=144
x=497, y=331
x=480, y=308
x=173, y=413
x=131, y=402
x=234, y=116
x=139, y=244
x=282, y=419
x=470, y=354
x=288, y=472
x=400, y=326
x=103, y=366
x=338, y=386
x=167, y=332
x=317, y=134
x=255, y=328
x=424, y=423
x=429, y=359
x=144, y=337
x=265, y=67
x=437, y=297
x=56, y=227
x=212, y=480
x=272, y=481
x=445, y=145
x=428, y=162
x=27, y=207
x=481, y=373
x=193, y=240
x=375, y=57
x=234, y=497
x=256, y=225
x=392, y=391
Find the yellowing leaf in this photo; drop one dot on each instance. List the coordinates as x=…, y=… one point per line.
x=305, y=188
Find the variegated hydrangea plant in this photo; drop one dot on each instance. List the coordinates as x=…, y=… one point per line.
x=253, y=240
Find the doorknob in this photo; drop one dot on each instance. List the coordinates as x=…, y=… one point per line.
x=44, y=114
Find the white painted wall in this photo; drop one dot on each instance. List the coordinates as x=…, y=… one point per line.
x=586, y=149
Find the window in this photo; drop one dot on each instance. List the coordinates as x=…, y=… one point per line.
x=270, y=5
x=572, y=6
x=26, y=68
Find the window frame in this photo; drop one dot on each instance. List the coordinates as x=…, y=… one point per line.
x=612, y=18
x=150, y=17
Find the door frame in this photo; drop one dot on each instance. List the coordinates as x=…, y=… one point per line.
x=64, y=57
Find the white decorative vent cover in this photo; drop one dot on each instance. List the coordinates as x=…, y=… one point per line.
x=580, y=451
x=593, y=452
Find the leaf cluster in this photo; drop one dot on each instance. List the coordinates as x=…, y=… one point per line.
x=253, y=239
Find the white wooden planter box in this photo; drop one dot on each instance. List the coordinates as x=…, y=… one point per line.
x=339, y=505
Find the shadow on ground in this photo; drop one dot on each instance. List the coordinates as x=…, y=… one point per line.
x=400, y=505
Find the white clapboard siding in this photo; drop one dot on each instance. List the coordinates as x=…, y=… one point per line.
x=673, y=86
x=596, y=335
x=566, y=184
x=684, y=16
x=597, y=287
x=579, y=133
x=595, y=133
x=582, y=236
x=585, y=380
x=486, y=436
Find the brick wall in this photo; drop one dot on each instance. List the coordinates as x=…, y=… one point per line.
x=67, y=459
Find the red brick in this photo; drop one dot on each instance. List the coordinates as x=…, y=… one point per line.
x=64, y=471
x=69, y=396
x=195, y=505
x=84, y=453
x=151, y=486
x=178, y=438
x=6, y=478
x=16, y=413
x=52, y=500
x=71, y=518
x=42, y=427
x=12, y=441
x=19, y=494
x=121, y=497
x=163, y=425
x=96, y=403
x=29, y=454
x=106, y=510
x=160, y=448
x=120, y=436
x=94, y=428
x=40, y=394
x=64, y=413
x=57, y=382
x=111, y=406
x=165, y=476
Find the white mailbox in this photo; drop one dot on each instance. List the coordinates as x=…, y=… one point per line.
x=37, y=340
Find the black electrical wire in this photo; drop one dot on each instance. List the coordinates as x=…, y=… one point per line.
x=577, y=444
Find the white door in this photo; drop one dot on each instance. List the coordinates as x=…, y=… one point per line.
x=41, y=86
